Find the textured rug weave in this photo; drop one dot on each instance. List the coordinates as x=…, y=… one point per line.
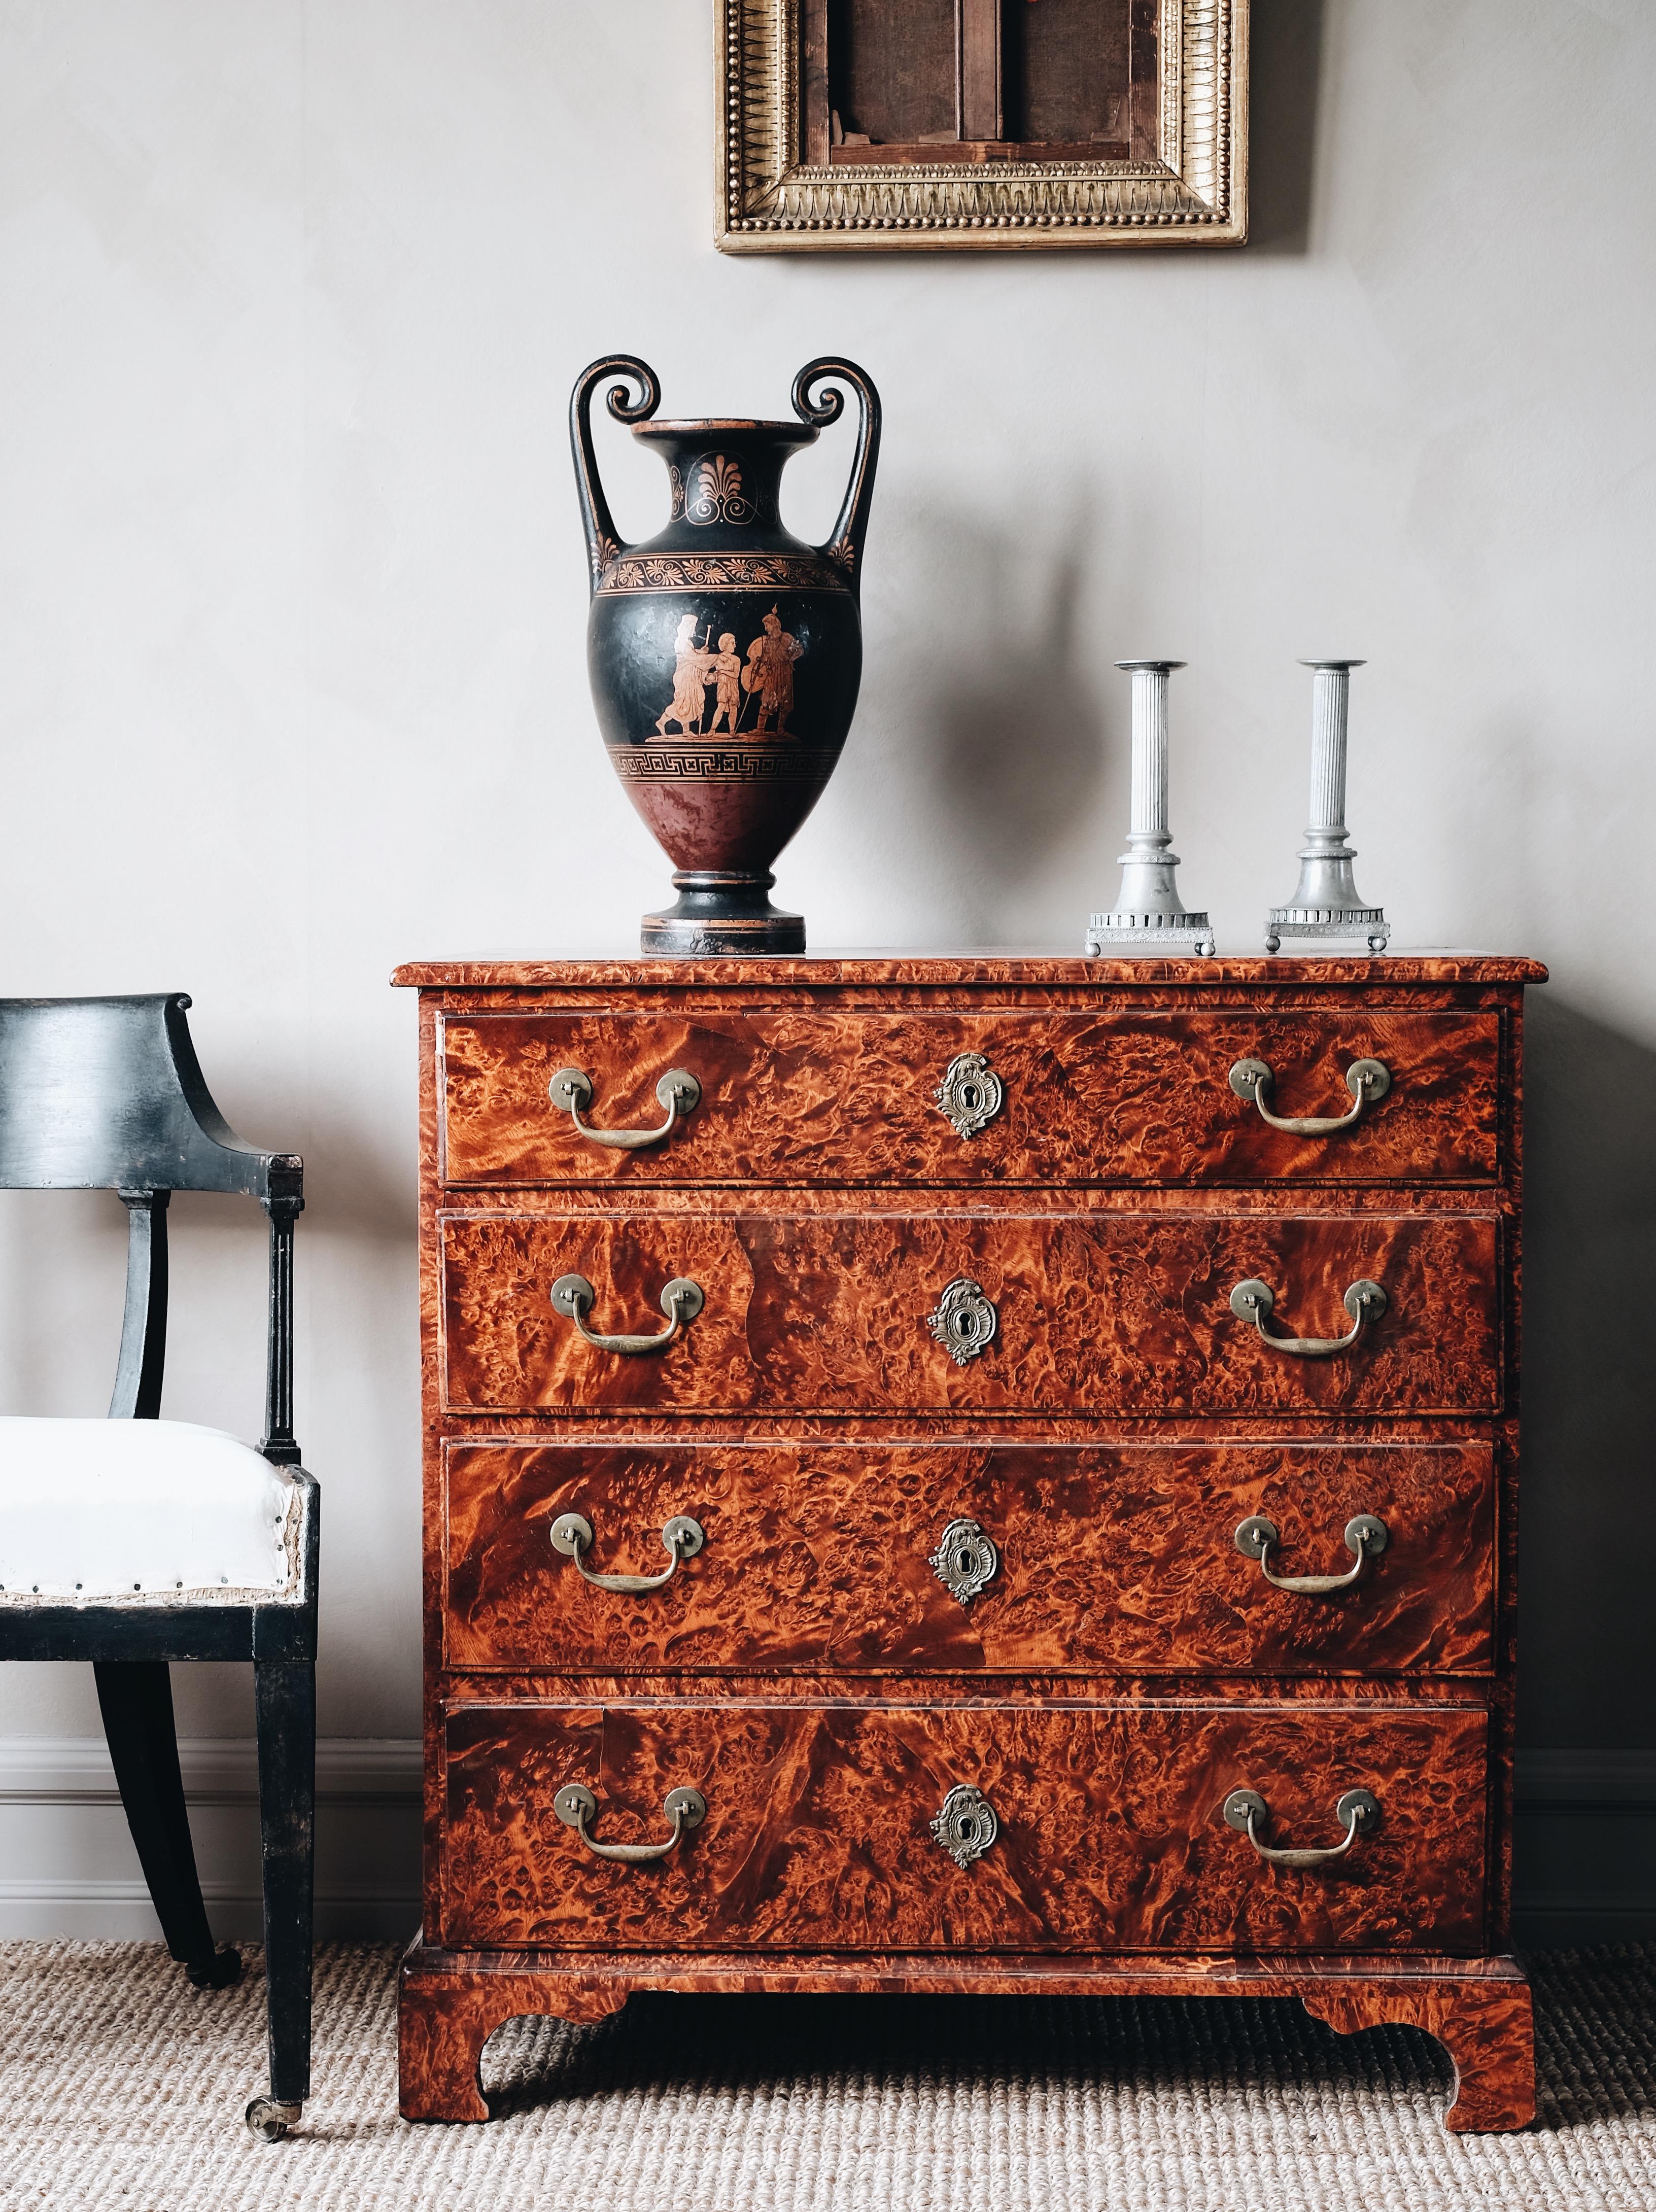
x=122, y=2087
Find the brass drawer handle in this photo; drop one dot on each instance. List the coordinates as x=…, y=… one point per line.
x=1368, y=1081
x=576, y=1806
x=681, y=1301
x=572, y=1535
x=571, y=1089
x=1257, y=1537
x=1359, y=1809
x=1253, y=1301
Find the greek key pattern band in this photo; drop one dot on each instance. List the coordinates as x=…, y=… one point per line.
x=779, y=762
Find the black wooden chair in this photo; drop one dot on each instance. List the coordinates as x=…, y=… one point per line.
x=134, y=1541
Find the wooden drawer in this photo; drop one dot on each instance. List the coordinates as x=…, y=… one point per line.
x=818, y=1829
x=805, y=1097
x=1106, y=1558
x=1107, y=1312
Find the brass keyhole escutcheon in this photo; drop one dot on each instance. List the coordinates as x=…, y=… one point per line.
x=971, y=1094
x=965, y=1561
x=964, y=1321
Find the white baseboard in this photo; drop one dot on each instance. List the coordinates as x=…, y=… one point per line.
x=68, y=1868
x=1585, y=1842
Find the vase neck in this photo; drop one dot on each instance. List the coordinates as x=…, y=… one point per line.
x=725, y=476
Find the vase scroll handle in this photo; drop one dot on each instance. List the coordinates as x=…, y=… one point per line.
x=845, y=546
x=602, y=545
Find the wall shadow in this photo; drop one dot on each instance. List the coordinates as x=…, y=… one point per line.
x=1004, y=749
x=1587, y=1517
x=1285, y=80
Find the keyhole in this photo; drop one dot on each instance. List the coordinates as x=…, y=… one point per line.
x=970, y=1097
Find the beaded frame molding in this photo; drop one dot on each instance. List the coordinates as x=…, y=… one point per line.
x=773, y=199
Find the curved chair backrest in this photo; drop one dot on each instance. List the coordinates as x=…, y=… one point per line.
x=107, y=1094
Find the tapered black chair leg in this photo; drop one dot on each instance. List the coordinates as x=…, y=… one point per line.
x=285, y=1692
x=135, y=1697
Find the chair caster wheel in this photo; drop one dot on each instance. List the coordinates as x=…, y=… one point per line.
x=218, y=1972
x=269, y=2118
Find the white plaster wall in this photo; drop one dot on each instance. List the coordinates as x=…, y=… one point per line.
x=292, y=598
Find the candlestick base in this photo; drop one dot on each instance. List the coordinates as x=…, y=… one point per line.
x=1191, y=933
x=1329, y=924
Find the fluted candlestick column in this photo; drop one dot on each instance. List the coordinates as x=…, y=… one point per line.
x=1326, y=902
x=1150, y=910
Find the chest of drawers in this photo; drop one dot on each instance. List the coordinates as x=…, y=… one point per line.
x=1005, y=1482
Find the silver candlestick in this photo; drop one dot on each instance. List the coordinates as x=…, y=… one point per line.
x=1150, y=910
x=1326, y=901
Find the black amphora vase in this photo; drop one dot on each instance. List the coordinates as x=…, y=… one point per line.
x=725, y=655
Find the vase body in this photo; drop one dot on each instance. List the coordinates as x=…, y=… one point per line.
x=725, y=656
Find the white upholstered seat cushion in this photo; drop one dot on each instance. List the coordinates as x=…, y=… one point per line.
x=163, y=1510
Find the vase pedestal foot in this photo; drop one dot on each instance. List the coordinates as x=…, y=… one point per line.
x=720, y=912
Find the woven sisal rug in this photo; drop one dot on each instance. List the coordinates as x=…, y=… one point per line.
x=123, y=2089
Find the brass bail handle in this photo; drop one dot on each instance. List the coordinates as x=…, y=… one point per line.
x=1368, y=1081
x=681, y=1301
x=571, y=1089
x=1253, y=1301
x=1245, y=1809
x=576, y=1807
x=572, y=1535
x=1364, y=1535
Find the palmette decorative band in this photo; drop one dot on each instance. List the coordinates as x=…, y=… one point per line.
x=778, y=761
x=723, y=572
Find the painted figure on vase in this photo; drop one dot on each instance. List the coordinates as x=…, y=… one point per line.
x=690, y=680
x=725, y=672
x=767, y=678
x=770, y=672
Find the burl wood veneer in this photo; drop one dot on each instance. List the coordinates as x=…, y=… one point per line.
x=1111, y=1560
x=818, y=1833
x=792, y=1097
x=1118, y=1312
x=1126, y=1667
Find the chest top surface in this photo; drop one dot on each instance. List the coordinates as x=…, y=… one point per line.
x=976, y=969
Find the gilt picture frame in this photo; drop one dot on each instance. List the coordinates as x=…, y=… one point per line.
x=1166, y=164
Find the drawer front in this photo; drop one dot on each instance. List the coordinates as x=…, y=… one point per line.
x=1082, y=1098
x=819, y=1827
x=1099, y=1558
x=1122, y=1313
